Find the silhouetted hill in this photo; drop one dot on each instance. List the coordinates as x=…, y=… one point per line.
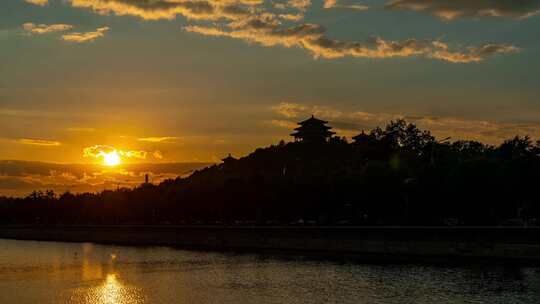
x=398, y=175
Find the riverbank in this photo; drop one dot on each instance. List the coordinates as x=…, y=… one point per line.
x=444, y=244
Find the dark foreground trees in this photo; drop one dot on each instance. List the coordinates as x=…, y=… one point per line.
x=398, y=175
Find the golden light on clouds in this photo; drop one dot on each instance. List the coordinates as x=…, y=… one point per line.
x=170, y=9
x=157, y=155
x=38, y=2
x=111, y=159
x=335, y=4
x=266, y=31
x=80, y=129
x=254, y=22
x=45, y=28
x=452, y=9
x=81, y=37
x=110, y=156
x=158, y=139
x=38, y=142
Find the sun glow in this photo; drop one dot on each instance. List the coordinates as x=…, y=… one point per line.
x=110, y=156
x=111, y=159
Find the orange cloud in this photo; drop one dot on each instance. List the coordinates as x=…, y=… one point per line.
x=44, y=28
x=86, y=36
x=81, y=129
x=474, y=54
x=158, y=139
x=301, y=5
x=265, y=30
x=169, y=9
x=353, y=6
x=38, y=142
x=38, y=2
x=283, y=124
x=157, y=154
x=255, y=22
x=290, y=110
x=453, y=9
x=99, y=151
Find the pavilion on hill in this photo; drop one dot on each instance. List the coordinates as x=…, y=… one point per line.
x=362, y=138
x=229, y=159
x=313, y=130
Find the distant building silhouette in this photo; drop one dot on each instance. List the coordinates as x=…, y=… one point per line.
x=229, y=159
x=312, y=130
x=362, y=138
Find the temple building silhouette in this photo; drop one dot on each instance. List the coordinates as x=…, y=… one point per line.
x=229, y=159
x=312, y=130
x=362, y=138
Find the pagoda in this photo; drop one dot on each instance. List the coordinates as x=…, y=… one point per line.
x=229, y=159
x=362, y=138
x=312, y=130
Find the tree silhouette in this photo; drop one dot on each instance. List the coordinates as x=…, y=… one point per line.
x=396, y=175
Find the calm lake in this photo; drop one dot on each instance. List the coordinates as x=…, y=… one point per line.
x=48, y=272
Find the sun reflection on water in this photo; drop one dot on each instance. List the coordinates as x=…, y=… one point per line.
x=111, y=291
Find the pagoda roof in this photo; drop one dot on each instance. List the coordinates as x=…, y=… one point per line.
x=361, y=136
x=313, y=120
x=309, y=127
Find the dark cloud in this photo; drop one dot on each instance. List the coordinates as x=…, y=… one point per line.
x=255, y=21
x=20, y=177
x=169, y=9
x=267, y=31
x=452, y=9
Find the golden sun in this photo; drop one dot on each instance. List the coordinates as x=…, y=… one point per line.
x=111, y=159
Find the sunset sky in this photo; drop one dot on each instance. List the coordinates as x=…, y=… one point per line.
x=163, y=81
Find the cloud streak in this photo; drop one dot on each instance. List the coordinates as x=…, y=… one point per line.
x=162, y=139
x=169, y=9
x=311, y=37
x=81, y=37
x=38, y=142
x=44, y=28
x=81, y=129
x=280, y=24
x=37, y=2
x=328, y=4
x=473, y=54
x=453, y=9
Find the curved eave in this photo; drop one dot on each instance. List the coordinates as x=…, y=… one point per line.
x=313, y=120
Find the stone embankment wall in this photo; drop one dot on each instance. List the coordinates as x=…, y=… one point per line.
x=386, y=243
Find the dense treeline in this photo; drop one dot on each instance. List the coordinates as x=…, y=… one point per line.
x=398, y=175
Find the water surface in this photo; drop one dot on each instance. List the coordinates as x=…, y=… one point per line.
x=48, y=272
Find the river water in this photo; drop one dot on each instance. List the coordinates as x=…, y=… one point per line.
x=48, y=272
